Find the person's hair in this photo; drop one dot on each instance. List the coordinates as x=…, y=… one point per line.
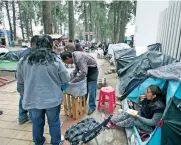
x=34, y=39
x=155, y=90
x=42, y=53
x=70, y=40
x=77, y=41
x=65, y=55
x=69, y=47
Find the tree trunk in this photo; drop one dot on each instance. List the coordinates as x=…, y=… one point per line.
x=71, y=19
x=47, y=17
x=115, y=32
x=123, y=22
x=27, y=26
x=1, y=14
x=54, y=18
x=9, y=20
x=21, y=20
x=14, y=20
x=85, y=16
x=31, y=27
x=91, y=23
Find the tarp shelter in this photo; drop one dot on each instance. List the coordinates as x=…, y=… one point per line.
x=154, y=47
x=58, y=37
x=8, y=65
x=168, y=130
x=11, y=55
x=116, y=47
x=123, y=57
x=2, y=33
x=135, y=71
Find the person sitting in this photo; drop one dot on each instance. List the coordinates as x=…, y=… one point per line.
x=151, y=111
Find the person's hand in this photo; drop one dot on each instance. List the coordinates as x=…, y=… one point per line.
x=130, y=103
x=64, y=87
x=142, y=97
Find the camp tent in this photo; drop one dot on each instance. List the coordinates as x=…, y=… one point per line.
x=135, y=71
x=168, y=131
x=123, y=57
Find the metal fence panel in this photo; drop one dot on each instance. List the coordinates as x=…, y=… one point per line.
x=169, y=30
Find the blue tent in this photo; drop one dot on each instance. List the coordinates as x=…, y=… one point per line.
x=168, y=78
x=2, y=33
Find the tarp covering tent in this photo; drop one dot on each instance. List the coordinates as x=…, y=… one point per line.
x=116, y=47
x=8, y=65
x=11, y=55
x=123, y=57
x=135, y=71
x=154, y=47
x=168, y=130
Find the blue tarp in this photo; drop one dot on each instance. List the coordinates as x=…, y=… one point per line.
x=2, y=33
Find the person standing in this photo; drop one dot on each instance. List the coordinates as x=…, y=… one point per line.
x=85, y=66
x=23, y=114
x=40, y=74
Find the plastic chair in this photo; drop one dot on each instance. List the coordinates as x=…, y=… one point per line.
x=110, y=93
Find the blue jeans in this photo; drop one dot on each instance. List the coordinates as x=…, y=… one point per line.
x=38, y=117
x=92, y=92
x=23, y=114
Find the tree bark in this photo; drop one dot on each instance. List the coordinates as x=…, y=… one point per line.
x=123, y=22
x=1, y=15
x=85, y=16
x=54, y=18
x=14, y=20
x=91, y=23
x=21, y=20
x=31, y=28
x=47, y=17
x=27, y=26
x=115, y=13
x=71, y=19
x=9, y=20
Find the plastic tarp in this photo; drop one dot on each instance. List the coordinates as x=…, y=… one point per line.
x=154, y=47
x=116, y=47
x=11, y=55
x=8, y=65
x=137, y=69
x=123, y=57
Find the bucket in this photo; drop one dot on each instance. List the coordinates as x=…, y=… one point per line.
x=77, y=89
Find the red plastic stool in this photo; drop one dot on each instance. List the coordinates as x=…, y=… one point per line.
x=104, y=93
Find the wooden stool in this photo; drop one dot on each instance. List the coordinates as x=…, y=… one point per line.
x=74, y=107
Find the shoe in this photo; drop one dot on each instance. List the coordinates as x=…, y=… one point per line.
x=109, y=125
x=90, y=112
x=23, y=120
x=62, y=140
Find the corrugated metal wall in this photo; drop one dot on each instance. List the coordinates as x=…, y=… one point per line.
x=169, y=30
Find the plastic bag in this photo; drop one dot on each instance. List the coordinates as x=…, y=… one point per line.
x=77, y=89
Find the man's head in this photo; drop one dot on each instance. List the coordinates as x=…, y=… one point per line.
x=76, y=41
x=70, y=40
x=66, y=57
x=34, y=40
x=70, y=47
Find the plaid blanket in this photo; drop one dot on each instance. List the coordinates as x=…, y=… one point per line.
x=74, y=133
